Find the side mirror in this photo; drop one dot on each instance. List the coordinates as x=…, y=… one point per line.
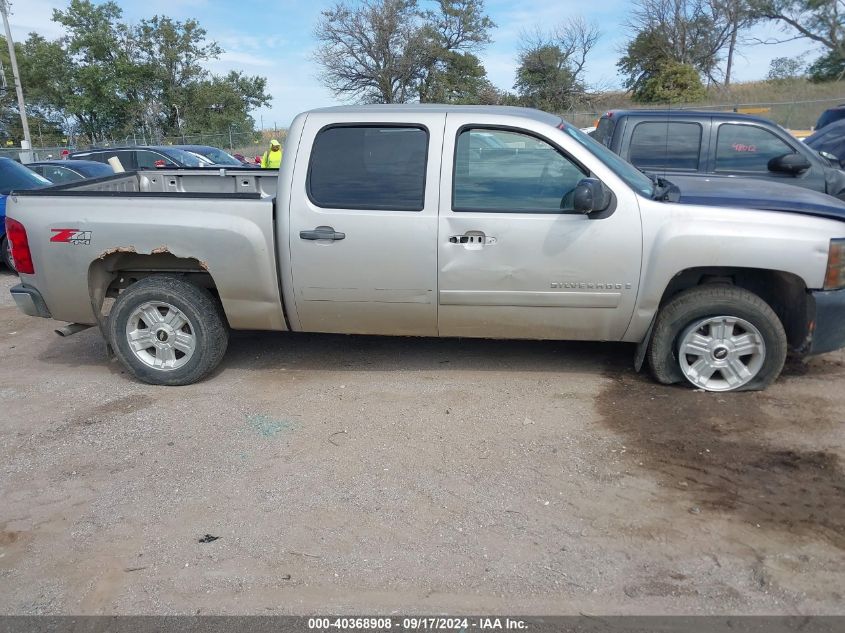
x=590, y=195
x=790, y=164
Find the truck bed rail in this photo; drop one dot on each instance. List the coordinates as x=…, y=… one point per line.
x=254, y=182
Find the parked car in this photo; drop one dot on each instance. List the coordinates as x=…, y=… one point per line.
x=391, y=220
x=145, y=157
x=831, y=115
x=13, y=177
x=830, y=142
x=666, y=142
x=61, y=171
x=216, y=155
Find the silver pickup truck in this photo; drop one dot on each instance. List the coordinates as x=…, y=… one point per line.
x=439, y=221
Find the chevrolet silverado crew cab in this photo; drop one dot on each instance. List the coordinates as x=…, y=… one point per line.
x=667, y=142
x=427, y=220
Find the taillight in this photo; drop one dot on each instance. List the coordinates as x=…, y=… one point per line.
x=16, y=234
x=160, y=164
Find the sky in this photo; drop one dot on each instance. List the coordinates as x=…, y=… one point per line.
x=274, y=39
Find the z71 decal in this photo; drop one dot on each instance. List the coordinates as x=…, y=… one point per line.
x=71, y=236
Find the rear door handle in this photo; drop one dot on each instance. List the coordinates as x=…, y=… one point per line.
x=322, y=233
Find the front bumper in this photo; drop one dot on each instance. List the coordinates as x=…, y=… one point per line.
x=29, y=301
x=828, y=324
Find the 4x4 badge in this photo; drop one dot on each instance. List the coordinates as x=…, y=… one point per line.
x=71, y=236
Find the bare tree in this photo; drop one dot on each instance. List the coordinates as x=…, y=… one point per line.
x=374, y=53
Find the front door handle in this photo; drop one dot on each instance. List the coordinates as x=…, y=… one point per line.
x=322, y=233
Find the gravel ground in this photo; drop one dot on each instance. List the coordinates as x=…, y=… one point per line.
x=367, y=474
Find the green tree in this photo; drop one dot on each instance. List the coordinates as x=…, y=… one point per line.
x=100, y=69
x=457, y=78
x=452, y=73
x=828, y=67
x=544, y=79
x=171, y=54
x=785, y=69
x=105, y=79
x=552, y=64
x=673, y=83
x=645, y=56
x=41, y=64
x=221, y=103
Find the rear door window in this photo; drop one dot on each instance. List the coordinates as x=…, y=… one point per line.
x=747, y=148
x=666, y=145
x=368, y=167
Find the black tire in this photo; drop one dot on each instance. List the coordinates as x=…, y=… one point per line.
x=706, y=301
x=7, y=254
x=206, y=324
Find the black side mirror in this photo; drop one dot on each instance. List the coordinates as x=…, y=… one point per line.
x=590, y=195
x=790, y=164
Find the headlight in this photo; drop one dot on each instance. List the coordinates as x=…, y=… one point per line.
x=834, y=279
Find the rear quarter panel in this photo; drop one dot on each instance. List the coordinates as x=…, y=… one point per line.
x=232, y=239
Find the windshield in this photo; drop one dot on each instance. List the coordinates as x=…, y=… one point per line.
x=187, y=159
x=15, y=176
x=632, y=176
x=218, y=156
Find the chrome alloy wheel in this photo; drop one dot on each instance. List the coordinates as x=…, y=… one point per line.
x=721, y=353
x=161, y=336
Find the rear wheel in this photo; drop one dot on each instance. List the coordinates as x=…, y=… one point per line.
x=6, y=248
x=718, y=338
x=167, y=331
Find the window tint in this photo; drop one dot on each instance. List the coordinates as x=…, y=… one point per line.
x=13, y=175
x=604, y=130
x=520, y=173
x=366, y=167
x=56, y=174
x=666, y=145
x=103, y=156
x=747, y=148
x=147, y=160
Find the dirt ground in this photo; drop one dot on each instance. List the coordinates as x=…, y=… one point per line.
x=378, y=475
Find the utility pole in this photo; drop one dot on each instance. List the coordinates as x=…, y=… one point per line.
x=4, y=8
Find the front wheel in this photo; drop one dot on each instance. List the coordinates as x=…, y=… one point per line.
x=6, y=249
x=718, y=338
x=167, y=331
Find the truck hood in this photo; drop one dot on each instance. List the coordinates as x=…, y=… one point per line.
x=750, y=193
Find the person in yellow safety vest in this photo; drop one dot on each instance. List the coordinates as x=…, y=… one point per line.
x=272, y=157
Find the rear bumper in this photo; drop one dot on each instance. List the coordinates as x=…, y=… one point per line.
x=828, y=324
x=29, y=301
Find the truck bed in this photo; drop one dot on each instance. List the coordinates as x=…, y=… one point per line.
x=215, y=222
x=218, y=182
